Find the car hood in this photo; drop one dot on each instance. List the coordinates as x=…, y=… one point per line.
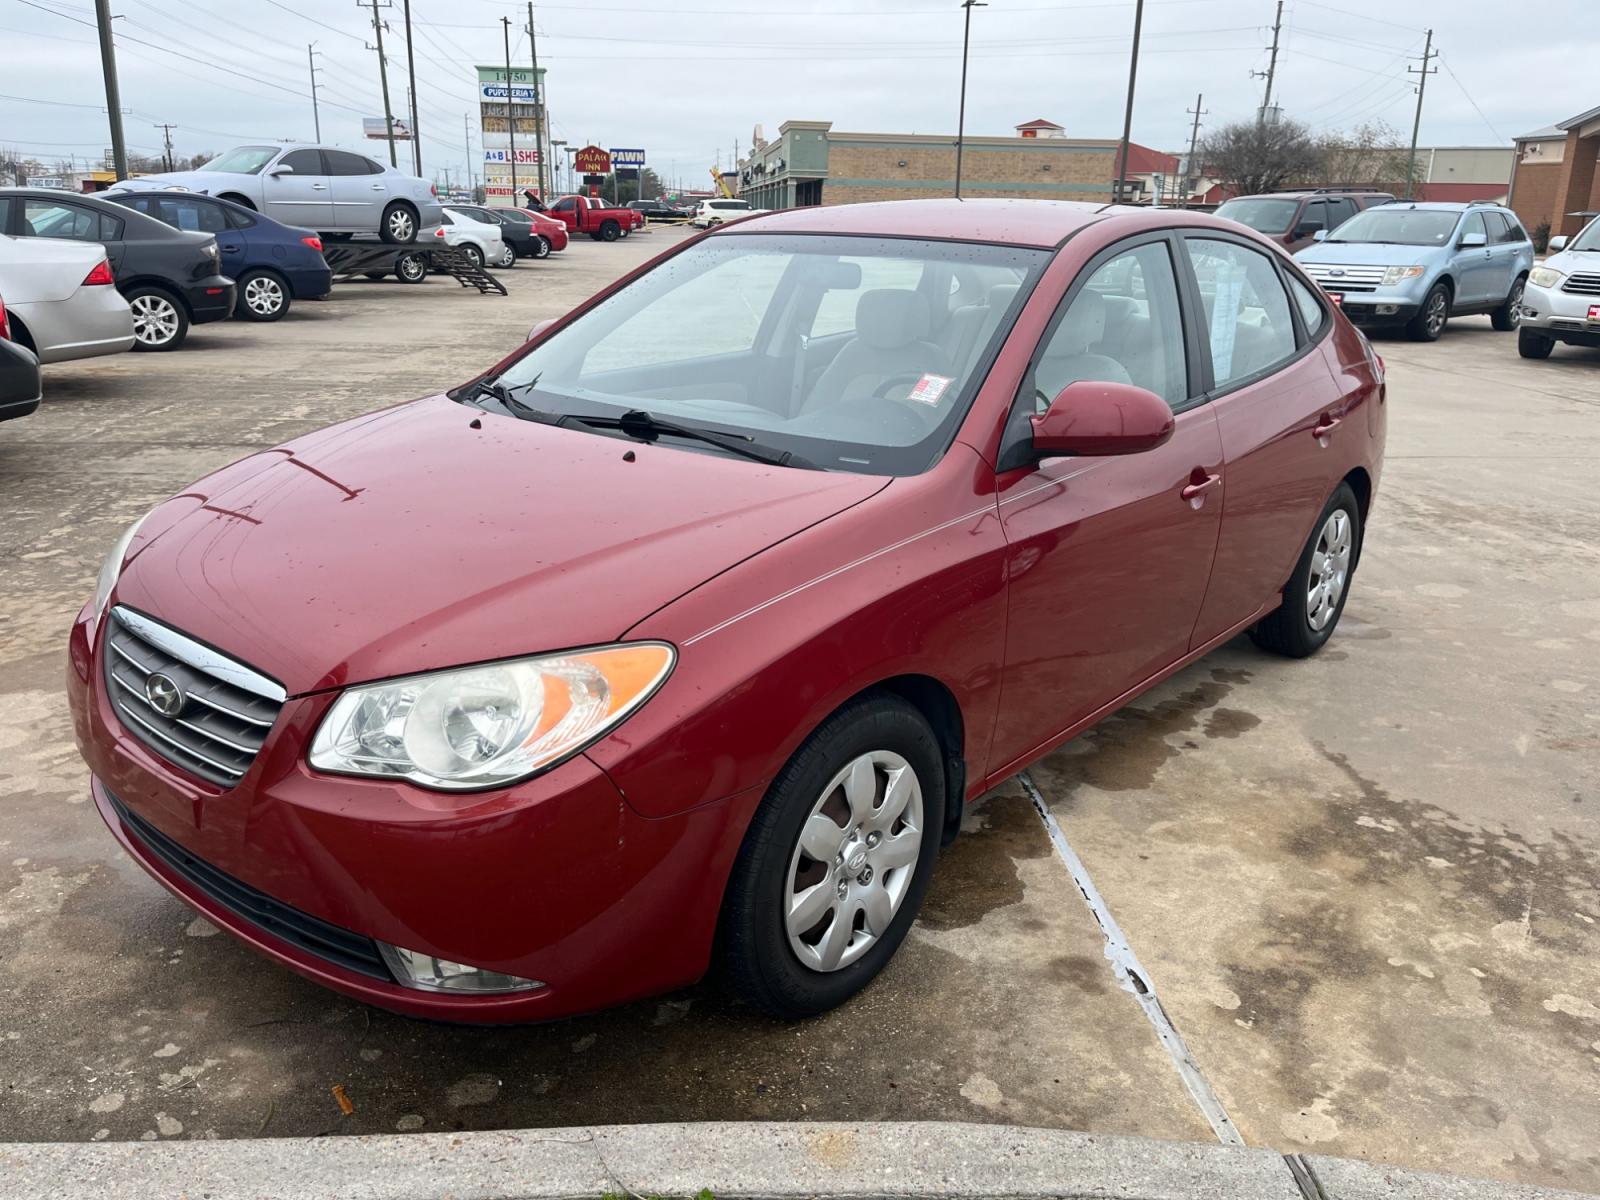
x=1367, y=253
x=1568, y=261
x=432, y=535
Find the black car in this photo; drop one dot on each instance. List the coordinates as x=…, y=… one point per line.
x=521, y=240
x=20, y=381
x=172, y=278
x=657, y=210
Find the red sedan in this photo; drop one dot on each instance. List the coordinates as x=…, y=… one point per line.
x=684, y=633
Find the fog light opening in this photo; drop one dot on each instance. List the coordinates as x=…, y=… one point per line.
x=414, y=969
x=1388, y=310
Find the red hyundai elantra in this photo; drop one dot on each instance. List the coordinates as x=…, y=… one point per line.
x=684, y=633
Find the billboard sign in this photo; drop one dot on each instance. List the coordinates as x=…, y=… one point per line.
x=376, y=127
x=592, y=160
x=54, y=182
x=524, y=157
x=520, y=93
x=633, y=159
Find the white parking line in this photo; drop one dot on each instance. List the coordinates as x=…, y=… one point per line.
x=1134, y=978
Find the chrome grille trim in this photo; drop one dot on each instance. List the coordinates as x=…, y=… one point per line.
x=1353, y=279
x=228, y=707
x=1582, y=283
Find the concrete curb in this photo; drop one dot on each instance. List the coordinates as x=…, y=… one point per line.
x=735, y=1161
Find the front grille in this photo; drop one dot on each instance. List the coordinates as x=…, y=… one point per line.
x=1583, y=283
x=214, y=712
x=327, y=941
x=1350, y=279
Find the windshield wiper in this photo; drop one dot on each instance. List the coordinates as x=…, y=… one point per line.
x=509, y=400
x=646, y=427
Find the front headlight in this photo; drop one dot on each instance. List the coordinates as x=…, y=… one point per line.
x=1545, y=277
x=111, y=569
x=1395, y=275
x=479, y=727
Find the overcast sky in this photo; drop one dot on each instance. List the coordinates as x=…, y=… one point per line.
x=686, y=80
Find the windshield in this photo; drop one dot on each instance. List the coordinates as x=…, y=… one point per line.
x=1261, y=214
x=853, y=353
x=242, y=160
x=1399, y=226
x=1589, y=239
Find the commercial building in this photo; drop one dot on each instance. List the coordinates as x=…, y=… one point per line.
x=511, y=112
x=809, y=162
x=1553, y=180
x=1463, y=173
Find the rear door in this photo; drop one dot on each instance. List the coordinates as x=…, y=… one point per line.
x=1279, y=412
x=198, y=216
x=1505, y=253
x=359, y=189
x=301, y=196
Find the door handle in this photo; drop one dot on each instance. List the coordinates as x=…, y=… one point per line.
x=377, y=187
x=319, y=187
x=1194, y=491
x=1326, y=425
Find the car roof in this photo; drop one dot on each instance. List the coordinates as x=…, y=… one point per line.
x=1325, y=193
x=1455, y=206
x=1041, y=223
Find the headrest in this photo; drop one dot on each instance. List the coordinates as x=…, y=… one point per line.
x=1001, y=295
x=888, y=318
x=1082, y=327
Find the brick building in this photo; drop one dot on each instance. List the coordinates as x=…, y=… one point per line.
x=1553, y=176
x=809, y=162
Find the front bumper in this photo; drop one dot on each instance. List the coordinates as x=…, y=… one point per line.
x=1565, y=316
x=556, y=879
x=1377, y=309
x=210, y=299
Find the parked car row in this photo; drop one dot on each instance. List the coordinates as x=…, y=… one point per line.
x=500, y=236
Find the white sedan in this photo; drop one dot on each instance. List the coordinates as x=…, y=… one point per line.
x=478, y=240
x=61, y=298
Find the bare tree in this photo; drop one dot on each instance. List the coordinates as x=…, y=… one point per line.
x=1370, y=155
x=1258, y=156
x=13, y=167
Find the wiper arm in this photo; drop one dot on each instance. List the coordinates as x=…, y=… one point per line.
x=511, y=402
x=647, y=427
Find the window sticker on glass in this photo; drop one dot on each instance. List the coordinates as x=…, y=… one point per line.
x=929, y=388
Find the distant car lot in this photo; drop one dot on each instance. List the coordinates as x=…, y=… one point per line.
x=1360, y=888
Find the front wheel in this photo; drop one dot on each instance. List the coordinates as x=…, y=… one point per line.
x=160, y=321
x=399, y=225
x=411, y=268
x=1430, y=320
x=836, y=860
x=263, y=296
x=1313, y=599
x=1509, y=315
x=1533, y=344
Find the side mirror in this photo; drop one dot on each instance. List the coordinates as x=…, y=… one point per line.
x=1469, y=240
x=1559, y=242
x=1091, y=417
x=281, y=169
x=1320, y=235
x=540, y=328
x=1305, y=231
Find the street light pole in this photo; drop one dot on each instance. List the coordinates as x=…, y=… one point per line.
x=1127, y=116
x=961, y=119
x=108, y=67
x=311, y=64
x=511, y=118
x=411, y=71
x=383, y=79
x=541, y=111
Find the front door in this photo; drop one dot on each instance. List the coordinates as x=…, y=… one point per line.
x=302, y=195
x=1108, y=557
x=1475, y=270
x=359, y=189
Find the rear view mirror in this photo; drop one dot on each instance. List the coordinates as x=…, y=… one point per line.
x=1092, y=417
x=540, y=328
x=281, y=169
x=1468, y=240
x=1559, y=242
x=844, y=276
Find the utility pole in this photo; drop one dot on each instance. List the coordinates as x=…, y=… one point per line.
x=466, y=140
x=1428, y=52
x=166, y=135
x=541, y=114
x=1272, y=68
x=961, y=118
x=108, y=67
x=1194, y=140
x=311, y=65
x=411, y=71
x=383, y=76
x=1127, y=115
x=511, y=117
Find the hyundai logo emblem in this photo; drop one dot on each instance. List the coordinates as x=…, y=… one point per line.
x=164, y=694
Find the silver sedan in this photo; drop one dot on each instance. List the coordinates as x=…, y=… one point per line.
x=61, y=299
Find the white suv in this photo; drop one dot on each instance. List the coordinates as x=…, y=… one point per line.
x=715, y=212
x=1562, y=300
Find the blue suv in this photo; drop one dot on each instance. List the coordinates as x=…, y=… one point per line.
x=1414, y=266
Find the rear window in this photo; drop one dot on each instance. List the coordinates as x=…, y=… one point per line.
x=1262, y=213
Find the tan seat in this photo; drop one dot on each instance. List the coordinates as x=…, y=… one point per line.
x=1071, y=355
x=890, y=341
x=972, y=325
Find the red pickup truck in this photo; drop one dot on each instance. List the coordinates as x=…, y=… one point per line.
x=601, y=221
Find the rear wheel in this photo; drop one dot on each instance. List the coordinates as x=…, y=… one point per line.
x=411, y=268
x=1509, y=315
x=508, y=257
x=473, y=255
x=1313, y=599
x=160, y=321
x=610, y=231
x=1532, y=344
x=263, y=296
x=399, y=226
x=1430, y=320
x=541, y=247
x=836, y=860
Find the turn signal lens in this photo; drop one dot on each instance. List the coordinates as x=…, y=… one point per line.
x=314, y=242
x=101, y=274
x=480, y=727
x=1395, y=275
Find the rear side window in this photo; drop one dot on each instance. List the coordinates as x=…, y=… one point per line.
x=342, y=162
x=1311, y=314
x=237, y=219
x=46, y=218
x=1247, y=311
x=1504, y=229
x=193, y=215
x=5, y=214
x=1340, y=211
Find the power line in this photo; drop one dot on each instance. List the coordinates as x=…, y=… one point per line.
x=1445, y=63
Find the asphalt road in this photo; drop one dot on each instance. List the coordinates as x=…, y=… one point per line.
x=1365, y=888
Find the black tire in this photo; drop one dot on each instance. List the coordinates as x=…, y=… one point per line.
x=754, y=950
x=594, y=237
x=162, y=317
x=1288, y=630
x=1508, y=316
x=263, y=296
x=541, y=247
x=610, y=231
x=1533, y=344
x=375, y=274
x=508, y=257
x=399, y=224
x=473, y=255
x=411, y=268
x=1432, y=316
